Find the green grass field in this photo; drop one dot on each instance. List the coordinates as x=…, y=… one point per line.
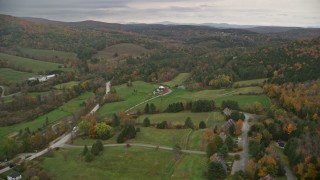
x=144, y=92
x=217, y=95
x=195, y=140
x=48, y=54
x=164, y=137
x=31, y=64
x=190, y=167
x=14, y=76
x=178, y=80
x=53, y=116
x=66, y=85
x=113, y=163
x=250, y=82
x=213, y=118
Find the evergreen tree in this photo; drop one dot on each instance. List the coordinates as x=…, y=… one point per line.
x=152, y=108
x=229, y=142
x=216, y=171
x=146, y=109
x=146, y=122
x=224, y=150
x=85, y=150
x=202, y=125
x=188, y=123
x=95, y=149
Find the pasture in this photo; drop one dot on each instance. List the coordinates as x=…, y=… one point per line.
x=113, y=163
x=178, y=80
x=14, y=76
x=31, y=64
x=66, y=85
x=253, y=82
x=48, y=55
x=53, y=116
x=214, y=118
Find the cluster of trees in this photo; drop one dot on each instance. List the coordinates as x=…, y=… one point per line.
x=128, y=132
x=150, y=109
x=300, y=98
x=230, y=104
x=194, y=106
x=90, y=127
x=96, y=149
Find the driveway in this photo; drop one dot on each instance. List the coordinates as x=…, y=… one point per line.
x=244, y=154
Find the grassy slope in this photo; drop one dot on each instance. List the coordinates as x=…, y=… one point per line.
x=165, y=137
x=250, y=82
x=13, y=75
x=144, y=92
x=179, y=118
x=138, y=163
x=190, y=167
x=178, y=80
x=53, y=116
x=52, y=54
x=34, y=65
x=66, y=85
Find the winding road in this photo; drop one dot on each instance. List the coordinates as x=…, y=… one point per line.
x=2, y=94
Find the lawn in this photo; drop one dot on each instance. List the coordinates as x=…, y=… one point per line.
x=48, y=54
x=190, y=167
x=113, y=163
x=250, y=82
x=31, y=64
x=14, y=76
x=144, y=91
x=162, y=137
x=53, y=116
x=218, y=96
x=195, y=140
x=178, y=80
x=213, y=118
x=66, y=85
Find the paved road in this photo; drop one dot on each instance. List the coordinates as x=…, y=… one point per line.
x=244, y=154
x=140, y=145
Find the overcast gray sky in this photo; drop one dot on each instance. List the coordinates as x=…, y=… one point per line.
x=249, y=12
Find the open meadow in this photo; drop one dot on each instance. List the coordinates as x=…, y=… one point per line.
x=113, y=163
x=31, y=64
x=14, y=76
x=44, y=54
x=178, y=80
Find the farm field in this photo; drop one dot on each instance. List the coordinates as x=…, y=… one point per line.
x=51, y=55
x=114, y=163
x=250, y=82
x=178, y=80
x=31, y=64
x=144, y=91
x=14, y=76
x=215, y=118
x=66, y=85
x=218, y=96
x=53, y=116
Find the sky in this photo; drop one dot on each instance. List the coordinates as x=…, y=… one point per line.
x=302, y=13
